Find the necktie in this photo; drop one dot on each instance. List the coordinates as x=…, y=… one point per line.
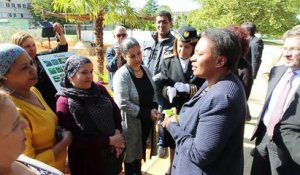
x=279, y=105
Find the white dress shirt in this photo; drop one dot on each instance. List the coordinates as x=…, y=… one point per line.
x=277, y=90
x=184, y=64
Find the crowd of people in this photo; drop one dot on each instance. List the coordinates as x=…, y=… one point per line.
x=202, y=79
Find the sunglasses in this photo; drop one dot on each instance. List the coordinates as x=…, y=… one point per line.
x=123, y=35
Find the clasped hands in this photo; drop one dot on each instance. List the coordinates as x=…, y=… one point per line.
x=178, y=86
x=118, y=143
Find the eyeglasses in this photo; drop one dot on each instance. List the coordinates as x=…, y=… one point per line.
x=123, y=35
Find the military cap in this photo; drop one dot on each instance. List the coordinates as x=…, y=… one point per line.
x=187, y=34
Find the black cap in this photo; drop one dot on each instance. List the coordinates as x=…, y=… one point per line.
x=187, y=34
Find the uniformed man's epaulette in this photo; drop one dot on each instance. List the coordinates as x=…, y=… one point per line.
x=166, y=56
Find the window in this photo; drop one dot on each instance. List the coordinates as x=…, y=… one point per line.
x=24, y=6
x=22, y=16
x=9, y=15
x=19, y=6
x=15, y=15
x=7, y=4
x=13, y=5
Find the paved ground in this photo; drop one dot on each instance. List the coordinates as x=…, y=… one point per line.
x=157, y=166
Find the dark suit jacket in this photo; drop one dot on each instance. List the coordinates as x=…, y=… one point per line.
x=209, y=135
x=287, y=131
x=171, y=72
x=256, y=47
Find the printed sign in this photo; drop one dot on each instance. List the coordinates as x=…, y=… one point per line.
x=54, y=65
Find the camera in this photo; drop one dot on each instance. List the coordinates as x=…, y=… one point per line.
x=47, y=29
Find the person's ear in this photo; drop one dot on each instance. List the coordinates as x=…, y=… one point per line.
x=221, y=61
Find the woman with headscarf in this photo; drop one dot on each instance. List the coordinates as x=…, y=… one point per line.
x=135, y=95
x=18, y=76
x=86, y=109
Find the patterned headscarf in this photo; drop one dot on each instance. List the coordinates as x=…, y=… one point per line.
x=8, y=54
x=74, y=63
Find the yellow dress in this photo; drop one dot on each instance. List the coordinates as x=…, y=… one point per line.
x=40, y=135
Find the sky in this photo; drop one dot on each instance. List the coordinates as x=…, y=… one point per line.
x=175, y=5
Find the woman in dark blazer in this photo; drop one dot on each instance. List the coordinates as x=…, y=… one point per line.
x=209, y=128
x=178, y=83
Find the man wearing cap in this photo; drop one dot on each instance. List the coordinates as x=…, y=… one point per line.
x=114, y=59
x=178, y=84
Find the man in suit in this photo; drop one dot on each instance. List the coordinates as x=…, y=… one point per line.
x=256, y=46
x=114, y=59
x=277, y=134
x=209, y=131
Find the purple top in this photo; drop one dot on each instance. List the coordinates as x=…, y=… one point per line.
x=82, y=153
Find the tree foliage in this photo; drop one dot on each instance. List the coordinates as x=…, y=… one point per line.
x=150, y=8
x=271, y=16
x=37, y=6
x=102, y=12
x=165, y=8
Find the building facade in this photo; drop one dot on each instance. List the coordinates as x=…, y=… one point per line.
x=15, y=14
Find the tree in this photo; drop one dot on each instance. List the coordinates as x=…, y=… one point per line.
x=181, y=21
x=271, y=16
x=102, y=12
x=150, y=7
x=165, y=8
x=37, y=7
x=148, y=10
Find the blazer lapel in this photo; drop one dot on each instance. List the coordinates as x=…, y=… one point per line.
x=275, y=76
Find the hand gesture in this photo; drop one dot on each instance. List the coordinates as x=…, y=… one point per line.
x=58, y=28
x=171, y=92
x=182, y=87
x=118, y=50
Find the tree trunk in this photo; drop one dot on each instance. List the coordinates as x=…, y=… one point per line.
x=99, y=42
x=78, y=31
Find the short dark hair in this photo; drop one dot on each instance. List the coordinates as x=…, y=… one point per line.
x=165, y=13
x=250, y=26
x=226, y=44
